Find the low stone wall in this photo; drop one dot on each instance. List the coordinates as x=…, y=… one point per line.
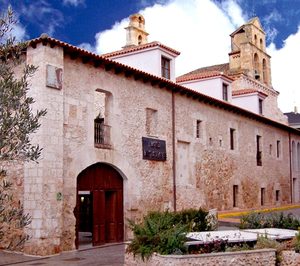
x=262, y=257
x=290, y=258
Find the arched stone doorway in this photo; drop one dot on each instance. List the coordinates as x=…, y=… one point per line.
x=99, y=209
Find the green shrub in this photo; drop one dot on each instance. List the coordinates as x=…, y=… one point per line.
x=238, y=247
x=165, y=232
x=216, y=245
x=264, y=242
x=196, y=219
x=296, y=242
x=277, y=220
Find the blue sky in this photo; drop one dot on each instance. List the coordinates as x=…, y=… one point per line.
x=199, y=29
x=77, y=21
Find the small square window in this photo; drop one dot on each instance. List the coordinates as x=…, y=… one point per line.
x=278, y=148
x=151, y=121
x=225, y=92
x=165, y=67
x=260, y=106
x=277, y=194
x=235, y=195
x=198, y=129
x=232, y=138
x=258, y=151
x=262, y=196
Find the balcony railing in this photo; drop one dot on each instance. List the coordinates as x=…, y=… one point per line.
x=102, y=136
x=259, y=158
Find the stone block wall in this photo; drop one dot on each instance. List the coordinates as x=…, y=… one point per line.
x=264, y=257
x=290, y=258
x=206, y=167
x=209, y=169
x=43, y=182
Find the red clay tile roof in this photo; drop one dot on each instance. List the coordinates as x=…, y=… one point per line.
x=202, y=75
x=247, y=91
x=206, y=72
x=140, y=47
x=243, y=91
x=118, y=68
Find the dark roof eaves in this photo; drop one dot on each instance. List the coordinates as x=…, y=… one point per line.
x=168, y=84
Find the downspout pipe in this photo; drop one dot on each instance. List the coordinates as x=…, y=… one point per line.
x=174, y=152
x=291, y=172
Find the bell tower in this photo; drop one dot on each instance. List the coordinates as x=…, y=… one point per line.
x=248, y=52
x=135, y=32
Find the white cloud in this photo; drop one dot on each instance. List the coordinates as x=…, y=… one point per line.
x=87, y=46
x=285, y=72
x=73, y=2
x=200, y=30
x=19, y=32
x=112, y=39
x=44, y=15
x=234, y=12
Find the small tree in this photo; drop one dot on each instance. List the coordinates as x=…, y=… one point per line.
x=17, y=123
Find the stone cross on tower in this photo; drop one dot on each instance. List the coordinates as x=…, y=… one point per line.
x=135, y=32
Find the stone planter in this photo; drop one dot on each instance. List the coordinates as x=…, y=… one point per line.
x=263, y=257
x=290, y=258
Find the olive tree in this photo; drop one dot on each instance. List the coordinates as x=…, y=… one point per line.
x=17, y=123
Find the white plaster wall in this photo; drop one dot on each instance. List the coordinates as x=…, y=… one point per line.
x=211, y=87
x=248, y=102
x=148, y=61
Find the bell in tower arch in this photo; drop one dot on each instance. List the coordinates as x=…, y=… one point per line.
x=135, y=32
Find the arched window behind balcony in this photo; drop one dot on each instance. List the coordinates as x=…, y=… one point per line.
x=102, y=128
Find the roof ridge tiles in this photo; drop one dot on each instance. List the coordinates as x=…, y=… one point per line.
x=168, y=84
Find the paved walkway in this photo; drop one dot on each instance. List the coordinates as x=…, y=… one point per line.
x=112, y=255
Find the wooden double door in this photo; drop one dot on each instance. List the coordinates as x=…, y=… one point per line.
x=100, y=204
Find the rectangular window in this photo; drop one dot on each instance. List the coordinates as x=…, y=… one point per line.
x=151, y=121
x=225, y=92
x=258, y=151
x=235, y=195
x=165, y=67
x=277, y=195
x=260, y=106
x=198, y=129
x=278, y=149
x=101, y=134
x=262, y=196
x=232, y=137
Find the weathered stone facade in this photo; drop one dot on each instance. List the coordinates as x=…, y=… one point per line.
x=211, y=146
x=263, y=257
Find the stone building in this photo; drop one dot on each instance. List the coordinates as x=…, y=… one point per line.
x=294, y=118
x=119, y=141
